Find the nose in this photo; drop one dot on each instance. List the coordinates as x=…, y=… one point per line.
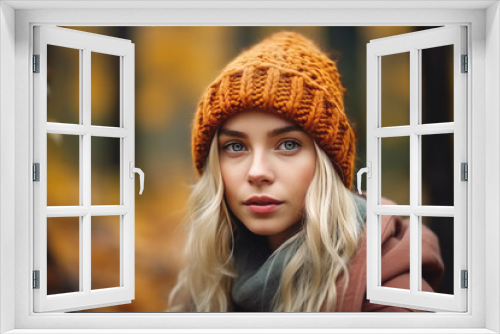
x=261, y=171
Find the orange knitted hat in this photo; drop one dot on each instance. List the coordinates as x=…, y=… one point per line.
x=288, y=75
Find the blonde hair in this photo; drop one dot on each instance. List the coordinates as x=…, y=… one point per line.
x=326, y=243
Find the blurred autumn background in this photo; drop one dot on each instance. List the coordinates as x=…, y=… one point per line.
x=173, y=65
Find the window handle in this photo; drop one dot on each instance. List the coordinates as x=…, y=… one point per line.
x=138, y=171
x=367, y=170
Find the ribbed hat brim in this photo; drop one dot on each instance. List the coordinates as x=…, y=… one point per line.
x=287, y=93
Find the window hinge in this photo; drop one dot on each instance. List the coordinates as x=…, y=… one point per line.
x=36, y=63
x=465, y=279
x=465, y=64
x=465, y=172
x=36, y=172
x=36, y=279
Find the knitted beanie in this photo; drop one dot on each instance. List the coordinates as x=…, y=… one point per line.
x=285, y=74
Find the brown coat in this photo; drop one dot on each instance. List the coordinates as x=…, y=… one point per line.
x=395, y=264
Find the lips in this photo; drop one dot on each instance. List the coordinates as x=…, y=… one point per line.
x=263, y=204
x=262, y=200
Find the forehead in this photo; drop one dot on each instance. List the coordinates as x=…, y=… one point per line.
x=248, y=120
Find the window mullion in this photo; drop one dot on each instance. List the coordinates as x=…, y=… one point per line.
x=418, y=126
x=423, y=210
x=81, y=178
x=105, y=131
x=85, y=165
x=122, y=179
x=419, y=129
x=414, y=170
x=80, y=130
x=80, y=211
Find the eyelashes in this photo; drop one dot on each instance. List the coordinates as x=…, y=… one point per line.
x=236, y=147
x=294, y=145
x=288, y=145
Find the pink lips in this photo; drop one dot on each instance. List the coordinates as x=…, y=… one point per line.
x=263, y=208
x=262, y=204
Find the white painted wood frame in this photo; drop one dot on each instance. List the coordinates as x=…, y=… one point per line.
x=16, y=20
x=414, y=43
x=86, y=43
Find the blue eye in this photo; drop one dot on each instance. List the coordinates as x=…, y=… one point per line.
x=289, y=145
x=235, y=147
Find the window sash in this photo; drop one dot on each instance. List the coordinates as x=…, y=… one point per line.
x=413, y=43
x=86, y=297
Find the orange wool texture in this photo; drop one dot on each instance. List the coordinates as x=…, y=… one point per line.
x=288, y=75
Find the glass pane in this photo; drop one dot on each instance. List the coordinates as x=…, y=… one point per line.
x=63, y=85
x=105, y=89
x=63, y=255
x=63, y=169
x=395, y=81
x=437, y=170
x=437, y=84
x=395, y=167
x=437, y=231
x=105, y=259
x=395, y=255
x=105, y=171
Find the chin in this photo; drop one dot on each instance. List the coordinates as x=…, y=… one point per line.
x=260, y=229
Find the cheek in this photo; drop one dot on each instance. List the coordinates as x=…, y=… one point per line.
x=229, y=180
x=225, y=170
x=305, y=179
x=299, y=178
x=310, y=169
x=305, y=173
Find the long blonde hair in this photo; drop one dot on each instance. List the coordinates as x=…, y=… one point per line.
x=326, y=243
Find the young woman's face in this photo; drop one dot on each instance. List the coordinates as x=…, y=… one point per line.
x=267, y=164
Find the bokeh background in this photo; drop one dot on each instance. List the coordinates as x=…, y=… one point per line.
x=172, y=68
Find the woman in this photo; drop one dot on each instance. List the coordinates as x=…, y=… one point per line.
x=273, y=225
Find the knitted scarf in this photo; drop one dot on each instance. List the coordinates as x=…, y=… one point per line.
x=259, y=273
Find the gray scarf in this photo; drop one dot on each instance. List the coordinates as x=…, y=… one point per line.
x=259, y=273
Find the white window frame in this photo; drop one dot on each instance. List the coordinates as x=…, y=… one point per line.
x=16, y=21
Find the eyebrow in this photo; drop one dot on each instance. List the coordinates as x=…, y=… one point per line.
x=272, y=133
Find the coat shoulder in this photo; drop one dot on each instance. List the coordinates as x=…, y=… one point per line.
x=395, y=262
